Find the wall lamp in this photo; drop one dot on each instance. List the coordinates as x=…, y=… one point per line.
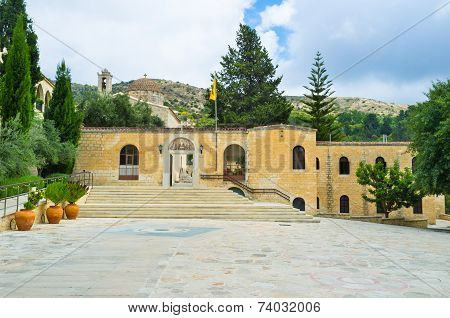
x=201, y=149
x=160, y=147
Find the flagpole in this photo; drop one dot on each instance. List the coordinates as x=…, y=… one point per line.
x=215, y=110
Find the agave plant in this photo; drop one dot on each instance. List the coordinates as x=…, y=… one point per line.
x=75, y=192
x=56, y=192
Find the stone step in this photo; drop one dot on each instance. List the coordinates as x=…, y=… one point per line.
x=184, y=196
x=144, y=201
x=173, y=205
x=168, y=200
x=214, y=217
x=156, y=188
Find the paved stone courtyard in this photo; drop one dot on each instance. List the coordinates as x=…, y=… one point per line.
x=205, y=258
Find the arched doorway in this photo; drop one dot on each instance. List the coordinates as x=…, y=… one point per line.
x=129, y=163
x=237, y=191
x=234, y=162
x=299, y=203
x=181, y=156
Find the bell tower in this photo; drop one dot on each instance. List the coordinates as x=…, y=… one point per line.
x=105, y=82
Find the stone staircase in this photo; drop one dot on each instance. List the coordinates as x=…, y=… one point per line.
x=124, y=201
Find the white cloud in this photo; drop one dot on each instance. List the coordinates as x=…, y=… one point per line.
x=278, y=15
x=410, y=91
x=269, y=40
x=345, y=31
x=178, y=40
x=184, y=40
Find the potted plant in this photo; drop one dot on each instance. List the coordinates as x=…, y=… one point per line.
x=75, y=192
x=26, y=216
x=57, y=193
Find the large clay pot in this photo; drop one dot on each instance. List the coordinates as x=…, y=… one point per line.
x=25, y=219
x=72, y=211
x=54, y=214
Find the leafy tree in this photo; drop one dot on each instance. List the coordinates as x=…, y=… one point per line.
x=371, y=126
x=390, y=188
x=10, y=10
x=144, y=118
x=48, y=149
x=319, y=105
x=117, y=111
x=16, y=155
x=299, y=117
x=429, y=126
x=15, y=95
x=62, y=107
x=399, y=127
x=386, y=126
x=247, y=87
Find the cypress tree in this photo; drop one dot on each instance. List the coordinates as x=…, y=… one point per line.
x=15, y=96
x=62, y=107
x=9, y=12
x=247, y=87
x=319, y=105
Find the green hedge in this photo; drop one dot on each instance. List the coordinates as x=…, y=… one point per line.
x=21, y=189
x=56, y=174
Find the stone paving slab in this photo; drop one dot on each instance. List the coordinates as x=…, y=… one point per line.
x=213, y=258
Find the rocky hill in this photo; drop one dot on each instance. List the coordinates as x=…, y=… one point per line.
x=364, y=105
x=179, y=95
x=176, y=94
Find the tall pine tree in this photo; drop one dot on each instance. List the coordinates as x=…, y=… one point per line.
x=15, y=96
x=319, y=105
x=62, y=107
x=9, y=12
x=247, y=87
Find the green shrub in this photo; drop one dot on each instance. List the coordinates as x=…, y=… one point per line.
x=14, y=190
x=16, y=155
x=33, y=199
x=56, y=192
x=75, y=192
x=56, y=175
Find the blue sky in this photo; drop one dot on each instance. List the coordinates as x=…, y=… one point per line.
x=184, y=40
x=347, y=30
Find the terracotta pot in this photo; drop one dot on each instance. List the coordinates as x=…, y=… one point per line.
x=54, y=214
x=25, y=219
x=72, y=211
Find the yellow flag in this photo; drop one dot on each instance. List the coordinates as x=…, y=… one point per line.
x=213, y=93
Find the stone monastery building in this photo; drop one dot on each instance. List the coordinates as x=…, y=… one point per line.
x=279, y=163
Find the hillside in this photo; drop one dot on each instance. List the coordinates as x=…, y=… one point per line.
x=179, y=95
x=176, y=94
x=364, y=105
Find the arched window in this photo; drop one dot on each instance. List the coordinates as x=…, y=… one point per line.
x=48, y=97
x=344, y=204
x=299, y=158
x=129, y=163
x=413, y=164
x=380, y=160
x=318, y=203
x=317, y=163
x=299, y=203
x=234, y=162
x=417, y=209
x=344, y=166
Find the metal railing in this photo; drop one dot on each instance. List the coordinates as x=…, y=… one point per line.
x=246, y=187
x=13, y=196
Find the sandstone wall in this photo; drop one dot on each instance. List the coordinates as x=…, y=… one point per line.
x=269, y=158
